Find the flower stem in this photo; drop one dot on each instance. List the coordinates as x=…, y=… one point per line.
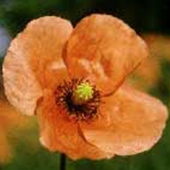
x=62, y=162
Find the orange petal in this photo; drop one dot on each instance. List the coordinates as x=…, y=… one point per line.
x=34, y=61
x=135, y=123
x=105, y=50
x=60, y=133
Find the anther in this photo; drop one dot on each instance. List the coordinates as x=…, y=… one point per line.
x=82, y=93
x=78, y=98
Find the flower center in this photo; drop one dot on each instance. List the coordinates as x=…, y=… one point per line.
x=82, y=93
x=79, y=98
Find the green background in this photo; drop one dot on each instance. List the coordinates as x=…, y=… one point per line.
x=143, y=16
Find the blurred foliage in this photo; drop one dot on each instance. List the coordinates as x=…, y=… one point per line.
x=1, y=61
x=146, y=15
x=17, y=13
x=143, y=16
x=162, y=89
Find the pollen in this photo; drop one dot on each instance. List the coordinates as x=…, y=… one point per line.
x=83, y=92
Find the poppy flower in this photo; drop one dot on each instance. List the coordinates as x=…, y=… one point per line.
x=72, y=79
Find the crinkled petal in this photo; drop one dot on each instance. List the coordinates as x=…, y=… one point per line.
x=34, y=61
x=61, y=133
x=105, y=50
x=134, y=123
